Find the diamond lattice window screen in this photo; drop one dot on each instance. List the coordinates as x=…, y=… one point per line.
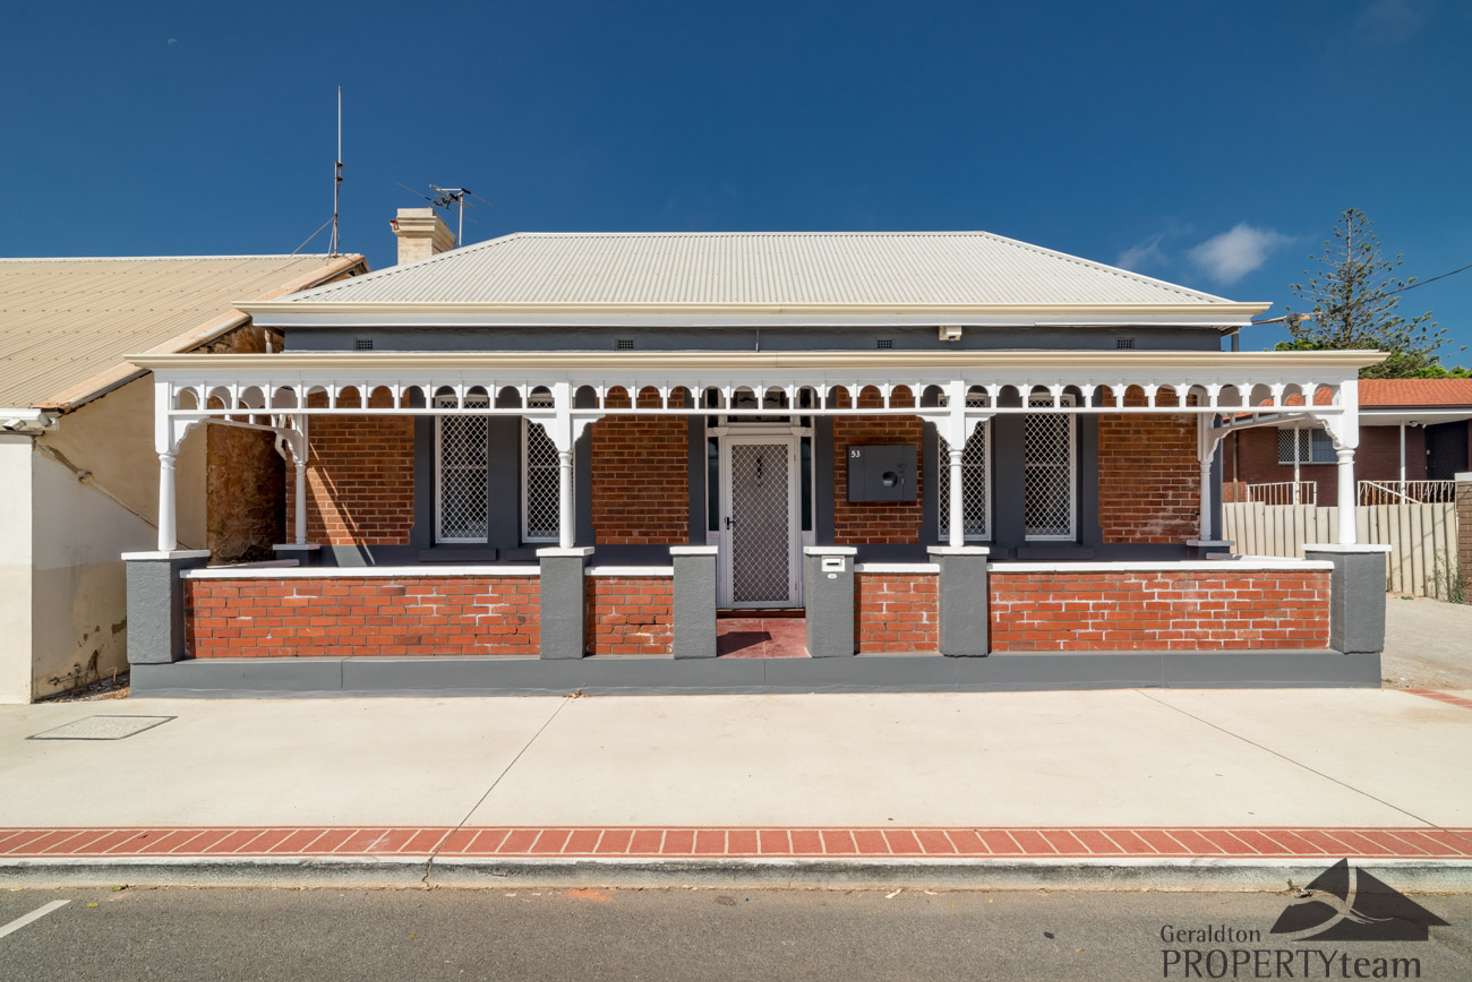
x=462, y=442
x=1047, y=489
x=1313, y=446
x=761, y=536
x=539, y=483
x=975, y=463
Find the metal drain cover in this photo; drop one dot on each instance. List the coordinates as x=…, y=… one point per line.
x=101, y=728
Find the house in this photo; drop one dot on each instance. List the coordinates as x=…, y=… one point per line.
x=596, y=460
x=1415, y=437
x=77, y=461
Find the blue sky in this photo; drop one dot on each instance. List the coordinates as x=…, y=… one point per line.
x=1210, y=144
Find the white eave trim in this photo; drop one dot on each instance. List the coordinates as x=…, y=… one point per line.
x=343, y=314
x=284, y=364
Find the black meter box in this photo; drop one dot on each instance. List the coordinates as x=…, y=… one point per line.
x=882, y=472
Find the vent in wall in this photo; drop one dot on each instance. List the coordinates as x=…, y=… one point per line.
x=365, y=344
x=884, y=343
x=1124, y=342
x=624, y=344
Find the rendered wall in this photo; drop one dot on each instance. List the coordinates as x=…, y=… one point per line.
x=79, y=594
x=110, y=442
x=15, y=568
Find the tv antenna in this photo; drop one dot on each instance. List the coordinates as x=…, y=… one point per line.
x=333, y=244
x=445, y=198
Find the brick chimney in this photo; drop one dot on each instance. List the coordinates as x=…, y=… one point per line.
x=421, y=234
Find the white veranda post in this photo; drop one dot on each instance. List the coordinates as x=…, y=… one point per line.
x=563, y=438
x=1206, y=444
x=299, y=458
x=1345, y=430
x=165, y=445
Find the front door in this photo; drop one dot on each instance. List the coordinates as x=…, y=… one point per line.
x=759, y=521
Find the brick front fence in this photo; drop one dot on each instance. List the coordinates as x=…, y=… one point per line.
x=354, y=615
x=1160, y=610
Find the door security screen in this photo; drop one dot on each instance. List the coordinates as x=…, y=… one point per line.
x=760, y=522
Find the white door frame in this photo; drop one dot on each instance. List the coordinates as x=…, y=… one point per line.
x=787, y=438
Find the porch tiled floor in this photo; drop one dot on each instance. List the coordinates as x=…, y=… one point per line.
x=761, y=637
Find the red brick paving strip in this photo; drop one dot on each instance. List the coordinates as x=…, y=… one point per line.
x=691, y=842
x=1446, y=697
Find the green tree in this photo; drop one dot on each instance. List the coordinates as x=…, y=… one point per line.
x=1351, y=300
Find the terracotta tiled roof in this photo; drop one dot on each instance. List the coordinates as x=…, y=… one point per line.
x=1380, y=393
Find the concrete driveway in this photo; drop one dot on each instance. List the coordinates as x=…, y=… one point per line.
x=1428, y=644
x=1278, y=757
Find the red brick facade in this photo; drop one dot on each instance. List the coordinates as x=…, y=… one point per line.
x=876, y=522
x=1251, y=457
x=629, y=615
x=897, y=612
x=362, y=615
x=1149, y=479
x=360, y=479
x=1159, y=610
x=641, y=478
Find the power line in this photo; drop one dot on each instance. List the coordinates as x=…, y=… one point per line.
x=1433, y=279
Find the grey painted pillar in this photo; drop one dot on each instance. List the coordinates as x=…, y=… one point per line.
x=964, y=599
x=156, y=604
x=1356, y=595
x=562, y=601
x=695, y=601
x=828, y=594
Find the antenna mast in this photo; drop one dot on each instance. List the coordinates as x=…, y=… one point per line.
x=453, y=196
x=333, y=246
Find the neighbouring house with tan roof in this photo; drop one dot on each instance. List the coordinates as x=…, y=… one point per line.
x=1415, y=437
x=78, y=473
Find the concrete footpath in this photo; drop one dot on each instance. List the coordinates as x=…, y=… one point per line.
x=1119, y=779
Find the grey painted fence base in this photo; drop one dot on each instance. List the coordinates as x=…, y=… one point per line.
x=469, y=675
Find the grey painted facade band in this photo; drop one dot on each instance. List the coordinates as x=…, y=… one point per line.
x=828, y=596
x=862, y=673
x=845, y=338
x=562, y=606
x=695, y=606
x=155, y=606
x=1356, y=600
x=964, y=605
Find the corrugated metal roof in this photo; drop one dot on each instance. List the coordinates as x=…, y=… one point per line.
x=1378, y=393
x=64, y=321
x=756, y=268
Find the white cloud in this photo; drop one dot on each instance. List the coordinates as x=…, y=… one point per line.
x=1391, y=21
x=1233, y=254
x=1143, y=254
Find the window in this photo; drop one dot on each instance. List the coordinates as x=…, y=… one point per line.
x=461, y=444
x=975, y=488
x=1049, y=497
x=1311, y=447
x=540, y=480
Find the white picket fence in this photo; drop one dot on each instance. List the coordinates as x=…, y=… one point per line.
x=1423, y=538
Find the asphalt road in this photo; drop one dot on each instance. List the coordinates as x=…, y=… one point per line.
x=164, y=935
